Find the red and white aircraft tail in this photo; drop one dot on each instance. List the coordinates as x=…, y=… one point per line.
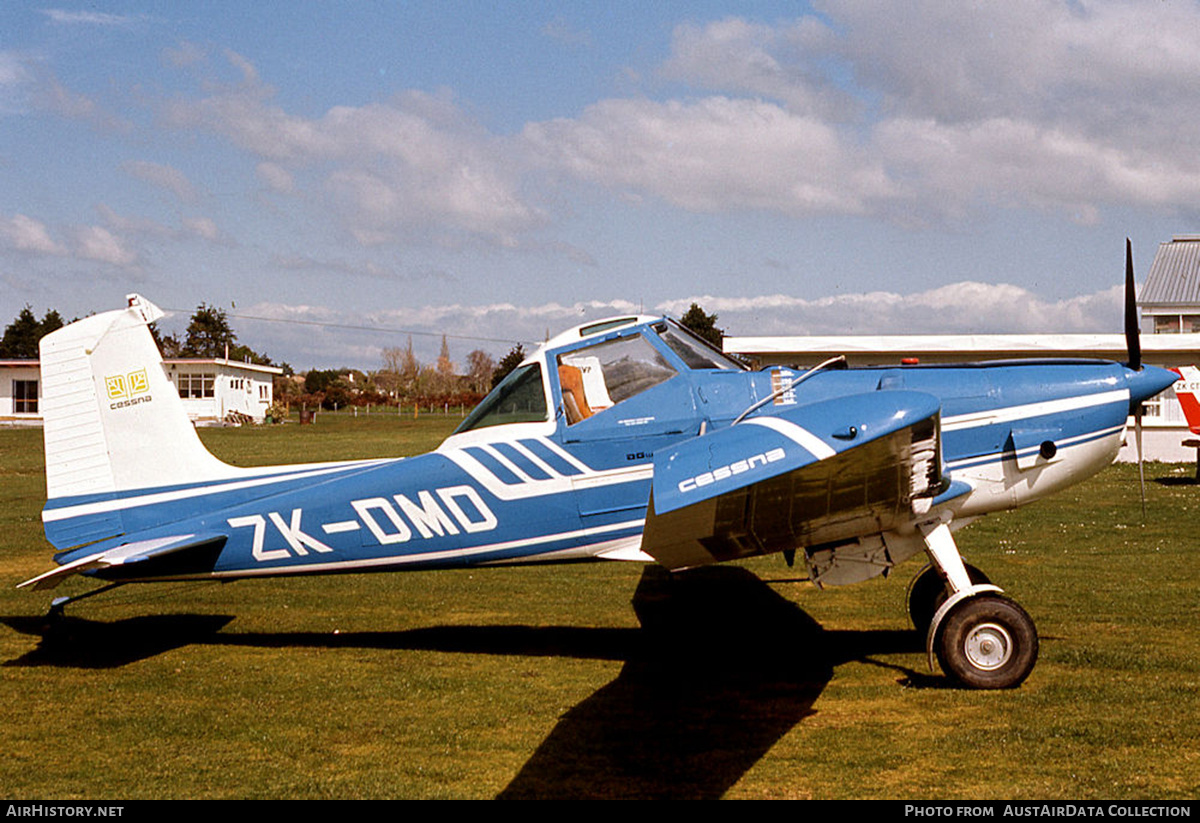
x=1188, y=392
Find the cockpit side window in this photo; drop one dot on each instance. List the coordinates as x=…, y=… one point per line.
x=519, y=398
x=598, y=377
x=696, y=353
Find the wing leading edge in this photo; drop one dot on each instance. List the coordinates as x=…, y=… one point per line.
x=820, y=473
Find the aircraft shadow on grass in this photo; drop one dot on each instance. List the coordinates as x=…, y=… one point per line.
x=721, y=668
x=74, y=642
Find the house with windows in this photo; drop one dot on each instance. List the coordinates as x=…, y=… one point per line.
x=215, y=389
x=212, y=389
x=20, y=391
x=1170, y=299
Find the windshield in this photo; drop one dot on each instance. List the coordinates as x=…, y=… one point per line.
x=697, y=353
x=518, y=399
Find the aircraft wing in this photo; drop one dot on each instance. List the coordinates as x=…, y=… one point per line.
x=182, y=552
x=819, y=473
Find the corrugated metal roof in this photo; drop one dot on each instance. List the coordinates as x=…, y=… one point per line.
x=1175, y=274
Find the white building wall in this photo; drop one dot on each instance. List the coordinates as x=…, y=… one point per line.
x=10, y=374
x=219, y=389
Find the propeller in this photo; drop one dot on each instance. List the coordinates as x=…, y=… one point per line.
x=1133, y=344
x=1132, y=340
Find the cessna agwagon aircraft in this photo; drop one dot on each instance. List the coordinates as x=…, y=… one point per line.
x=628, y=439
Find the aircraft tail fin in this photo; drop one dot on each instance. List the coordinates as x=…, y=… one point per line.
x=1188, y=392
x=113, y=419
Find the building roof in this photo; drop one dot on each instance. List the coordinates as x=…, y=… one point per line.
x=221, y=361
x=176, y=361
x=1174, y=277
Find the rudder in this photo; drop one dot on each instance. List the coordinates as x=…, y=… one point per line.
x=113, y=419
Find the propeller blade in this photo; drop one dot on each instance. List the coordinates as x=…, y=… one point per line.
x=1137, y=430
x=1132, y=338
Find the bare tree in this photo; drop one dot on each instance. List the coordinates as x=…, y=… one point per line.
x=480, y=366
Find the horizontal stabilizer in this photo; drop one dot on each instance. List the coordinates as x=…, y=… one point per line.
x=818, y=473
x=162, y=550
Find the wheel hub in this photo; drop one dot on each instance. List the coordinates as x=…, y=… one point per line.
x=988, y=646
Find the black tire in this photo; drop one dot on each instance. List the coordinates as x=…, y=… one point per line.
x=928, y=592
x=987, y=642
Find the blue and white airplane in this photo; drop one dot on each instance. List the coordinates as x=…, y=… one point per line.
x=628, y=439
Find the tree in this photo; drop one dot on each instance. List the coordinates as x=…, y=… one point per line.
x=209, y=333
x=480, y=366
x=446, y=380
x=319, y=380
x=509, y=362
x=22, y=335
x=704, y=325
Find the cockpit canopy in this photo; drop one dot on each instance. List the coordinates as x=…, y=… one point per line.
x=613, y=362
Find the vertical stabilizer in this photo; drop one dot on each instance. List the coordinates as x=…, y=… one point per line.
x=1188, y=392
x=113, y=419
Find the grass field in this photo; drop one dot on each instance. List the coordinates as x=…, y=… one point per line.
x=608, y=680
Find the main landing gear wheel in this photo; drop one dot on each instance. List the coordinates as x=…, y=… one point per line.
x=928, y=591
x=987, y=642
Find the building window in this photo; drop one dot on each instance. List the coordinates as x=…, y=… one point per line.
x=1191, y=323
x=1166, y=324
x=25, y=397
x=195, y=386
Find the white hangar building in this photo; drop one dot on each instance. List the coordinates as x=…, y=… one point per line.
x=212, y=389
x=1170, y=311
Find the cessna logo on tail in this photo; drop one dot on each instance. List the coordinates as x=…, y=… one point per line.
x=127, y=389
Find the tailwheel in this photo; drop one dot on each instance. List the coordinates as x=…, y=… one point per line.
x=987, y=642
x=928, y=591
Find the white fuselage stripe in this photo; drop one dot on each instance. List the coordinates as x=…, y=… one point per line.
x=506, y=463
x=425, y=557
x=808, y=441
x=1008, y=414
x=997, y=457
x=104, y=506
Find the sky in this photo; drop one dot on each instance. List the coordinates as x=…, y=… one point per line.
x=339, y=177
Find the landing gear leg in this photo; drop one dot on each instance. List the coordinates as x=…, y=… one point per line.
x=59, y=603
x=981, y=638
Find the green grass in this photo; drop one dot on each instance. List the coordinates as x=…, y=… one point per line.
x=602, y=679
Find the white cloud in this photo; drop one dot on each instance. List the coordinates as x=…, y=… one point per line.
x=781, y=62
x=562, y=31
x=203, y=227
x=13, y=69
x=25, y=234
x=101, y=245
x=322, y=336
x=49, y=94
x=963, y=307
x=165, y=177
x=414, y=162
x=276, y=177
x=714, y=155
x=918, y=114
x=87, y=18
